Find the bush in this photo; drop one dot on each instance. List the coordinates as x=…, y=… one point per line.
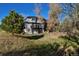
x=12, y=23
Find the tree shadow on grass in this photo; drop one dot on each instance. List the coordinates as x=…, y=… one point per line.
x=74, y=38
x=34, y=37
x=43, y=50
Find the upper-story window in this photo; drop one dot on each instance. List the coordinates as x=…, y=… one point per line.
x=33, y=19
x=28, y=20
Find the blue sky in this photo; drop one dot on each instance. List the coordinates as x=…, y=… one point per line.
x=26, y=9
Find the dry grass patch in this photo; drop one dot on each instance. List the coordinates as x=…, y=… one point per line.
x=9, y=43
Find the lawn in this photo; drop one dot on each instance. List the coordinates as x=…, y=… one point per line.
x=49, y=44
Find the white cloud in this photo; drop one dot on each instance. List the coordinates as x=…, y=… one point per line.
x=24, y=15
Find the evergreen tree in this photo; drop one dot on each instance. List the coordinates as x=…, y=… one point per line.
x=13, y=22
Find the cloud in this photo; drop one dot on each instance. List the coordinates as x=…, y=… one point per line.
x=24, y=15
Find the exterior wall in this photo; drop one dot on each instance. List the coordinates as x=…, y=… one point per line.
x=28, y=26
x=28, y=29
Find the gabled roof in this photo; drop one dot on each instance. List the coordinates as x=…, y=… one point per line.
x=31, y=17
x=37, y=17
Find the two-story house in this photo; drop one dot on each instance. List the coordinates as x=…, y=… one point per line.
x=34, y=25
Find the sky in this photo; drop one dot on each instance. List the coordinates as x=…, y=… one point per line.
x=26, y=9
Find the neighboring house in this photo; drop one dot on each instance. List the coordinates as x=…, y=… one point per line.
x=34, y=25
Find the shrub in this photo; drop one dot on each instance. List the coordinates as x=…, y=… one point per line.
x=12, y=23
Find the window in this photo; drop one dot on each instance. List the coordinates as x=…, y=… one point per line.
x=34, y=19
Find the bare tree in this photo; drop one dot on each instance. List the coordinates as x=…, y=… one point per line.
x=37, y=9
x=54, y=11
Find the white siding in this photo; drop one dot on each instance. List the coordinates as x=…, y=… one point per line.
x=28, y=28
